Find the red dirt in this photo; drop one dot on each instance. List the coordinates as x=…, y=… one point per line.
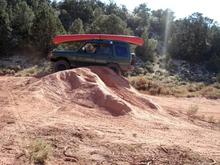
x=93, y=116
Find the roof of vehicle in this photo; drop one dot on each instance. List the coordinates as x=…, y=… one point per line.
x=85, y=37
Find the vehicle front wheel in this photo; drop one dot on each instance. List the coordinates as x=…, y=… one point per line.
x=61, y=65
x=115, y=68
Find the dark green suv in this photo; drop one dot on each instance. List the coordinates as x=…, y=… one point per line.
x=105, y=52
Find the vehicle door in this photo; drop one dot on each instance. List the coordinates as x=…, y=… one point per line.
x=122, y=53
x=104, y=53
x=87, y=53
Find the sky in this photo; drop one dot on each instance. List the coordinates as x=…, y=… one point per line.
x=182, y=8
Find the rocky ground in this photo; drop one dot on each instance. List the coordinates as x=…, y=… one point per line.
x=92, y=116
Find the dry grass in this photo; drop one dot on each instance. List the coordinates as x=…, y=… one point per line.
x=192, y=114
x=37, y=71
x=39, y=151
x=210, y=92
x=218, y=123
x=153, y=87
x=167, y=86
x=211, y=119
x=31, y=67
x=192, y=111
x=202, y=117
x=7, y=71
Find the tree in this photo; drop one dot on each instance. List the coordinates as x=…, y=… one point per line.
x=146, y=52
x=134, y=24
x=98, y=12
x=143, y=12
x=139, y=20
x=109, y=24
x=65, y=18
x=213, y=63
x=46, y=26
x=215, y=40
x=5, y=29
x=73, y=9
x=160, y=20
x=22, y=21
x=77, y=27
x=112, y=8
x=189, y=40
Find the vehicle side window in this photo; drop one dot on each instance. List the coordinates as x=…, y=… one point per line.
x=121, y=51
x=105, y=49
x=89, y=48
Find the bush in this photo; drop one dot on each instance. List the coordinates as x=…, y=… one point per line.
x=214, y=64
x=39, y=151
x=192, y=111
x=7, y=71
x=210, y=92
x=37, y=71
x=153, y=87
x=164, y=85
x=211, y=119
x=149, y=67
x=218, y=77
x=140, y=83
x=195, y=87
x=147, y=51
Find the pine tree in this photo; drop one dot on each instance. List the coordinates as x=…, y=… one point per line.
x=111, y=24
x=77, y=27
x=46, y=26
x=146, y=52
x=98, y=12
x=22, y=21
x=5, y=29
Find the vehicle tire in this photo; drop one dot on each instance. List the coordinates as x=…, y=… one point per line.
x=115, y=68
x=61, y=65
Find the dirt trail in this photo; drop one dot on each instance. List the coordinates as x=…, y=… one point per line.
x=92, y=116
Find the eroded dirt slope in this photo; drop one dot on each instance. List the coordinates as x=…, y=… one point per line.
x=92, y=116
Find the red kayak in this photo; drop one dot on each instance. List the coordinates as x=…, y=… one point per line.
x=84, y=37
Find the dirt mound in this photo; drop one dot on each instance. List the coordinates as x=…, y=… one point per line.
x=92, y=87
x=73, y=113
